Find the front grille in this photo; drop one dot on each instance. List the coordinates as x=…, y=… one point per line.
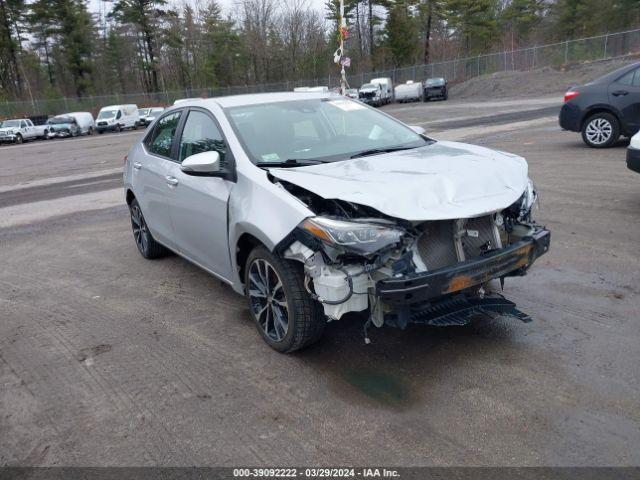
x=102, y=124
x=367, y=94
x=437, y=244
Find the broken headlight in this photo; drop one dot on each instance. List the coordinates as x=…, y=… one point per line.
x=361, y=238
x=528, y=200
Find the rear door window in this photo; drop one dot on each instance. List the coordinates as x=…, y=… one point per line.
x=160, y=142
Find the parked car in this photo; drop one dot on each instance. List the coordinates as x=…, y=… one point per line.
x=63, y=126
x=117, y=117
x=147, y=115
x=604, y=109
x=409, y=92
x=21, y=130
x=352, y=93
x=371, y=94
x=314, y=205
x=386, y=86
x=435, y=88
x=85, y=121
x=633, y=153
x=153, y=114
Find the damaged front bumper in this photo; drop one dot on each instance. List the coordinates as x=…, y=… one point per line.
x=446, y=296
x=512, y=260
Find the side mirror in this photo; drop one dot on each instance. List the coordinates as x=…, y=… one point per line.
x=205, y=163
x=418, y=129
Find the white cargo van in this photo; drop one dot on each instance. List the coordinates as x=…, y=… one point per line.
x=85, y=121
x=387, y=89
x=117, y=117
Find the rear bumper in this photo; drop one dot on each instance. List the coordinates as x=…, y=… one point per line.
x=424, y=287
x=633, y=159
x=570, y=116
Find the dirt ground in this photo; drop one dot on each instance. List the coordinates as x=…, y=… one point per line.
x=109, y=359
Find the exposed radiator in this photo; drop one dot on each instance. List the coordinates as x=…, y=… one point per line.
x=437, y=244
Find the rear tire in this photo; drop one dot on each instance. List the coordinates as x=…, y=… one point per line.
x=601, y=130
x=147, y=246
x=284, y=313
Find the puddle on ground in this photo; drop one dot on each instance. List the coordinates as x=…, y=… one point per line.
x=380, y=387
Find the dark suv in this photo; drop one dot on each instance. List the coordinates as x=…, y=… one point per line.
x=604, y=109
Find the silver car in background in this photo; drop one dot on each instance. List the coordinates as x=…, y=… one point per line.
x=313, y=206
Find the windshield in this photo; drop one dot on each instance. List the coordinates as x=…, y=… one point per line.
x=369, y=85
x=59, y=120
x=435, y=81
x=10, y=124
x=143, y=111
x=154, y=112
x=318, y=129
x=104, y=114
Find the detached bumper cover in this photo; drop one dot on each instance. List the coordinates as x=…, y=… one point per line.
x=633, y=159
x=512, y=260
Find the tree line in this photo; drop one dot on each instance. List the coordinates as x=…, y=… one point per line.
x=54, y=48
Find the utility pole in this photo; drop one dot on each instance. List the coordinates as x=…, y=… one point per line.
x=343, y=30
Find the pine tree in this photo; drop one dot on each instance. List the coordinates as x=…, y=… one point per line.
x=402, y=33
x=144, y=15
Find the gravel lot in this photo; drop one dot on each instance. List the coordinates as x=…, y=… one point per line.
x=108, y=359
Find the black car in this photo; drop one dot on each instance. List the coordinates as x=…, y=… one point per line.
x=435, y=88
x=604, y=109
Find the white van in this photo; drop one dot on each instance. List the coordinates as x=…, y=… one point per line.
x=387, y=89
x=85, y=121
x=117, y=117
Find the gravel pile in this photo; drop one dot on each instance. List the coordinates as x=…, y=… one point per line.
x=547, y=80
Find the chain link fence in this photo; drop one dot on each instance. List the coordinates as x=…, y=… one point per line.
x=602, y=47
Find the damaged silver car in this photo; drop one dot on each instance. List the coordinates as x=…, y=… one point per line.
x=313, y=206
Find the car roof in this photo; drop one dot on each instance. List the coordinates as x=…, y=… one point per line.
x=611, y=76
x=257, y=99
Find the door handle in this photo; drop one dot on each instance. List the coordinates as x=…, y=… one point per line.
x=619, y=92
x=171, y=181
x=137, y=165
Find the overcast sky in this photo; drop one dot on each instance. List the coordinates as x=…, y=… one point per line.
x=97, y=5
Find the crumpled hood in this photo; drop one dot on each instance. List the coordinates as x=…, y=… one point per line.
x=442, y=181
x=9, y=129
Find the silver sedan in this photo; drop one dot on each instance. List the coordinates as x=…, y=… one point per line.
x=314, y=206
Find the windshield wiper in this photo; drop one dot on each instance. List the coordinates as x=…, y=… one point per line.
x=376, y=151
x=291, y=162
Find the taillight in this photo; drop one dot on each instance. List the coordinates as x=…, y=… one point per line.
x=124, y=160
x=571, y=94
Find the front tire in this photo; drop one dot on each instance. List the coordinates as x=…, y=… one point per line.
x=284, y=313
x=601, y=130
x=19, y=139
x=147, y=245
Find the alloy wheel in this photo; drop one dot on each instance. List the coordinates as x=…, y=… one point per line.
x=268, y=300
x=139, y=228
x=599, y=131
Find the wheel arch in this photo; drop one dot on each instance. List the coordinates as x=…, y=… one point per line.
x=130, y=196
x=599, y=109
x=245, y=244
